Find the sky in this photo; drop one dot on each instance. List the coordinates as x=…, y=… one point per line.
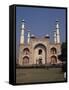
x=40, y=21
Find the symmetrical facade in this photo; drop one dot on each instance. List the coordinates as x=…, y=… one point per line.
x=39, y=50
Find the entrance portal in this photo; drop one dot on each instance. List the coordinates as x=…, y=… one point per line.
x=39, y=54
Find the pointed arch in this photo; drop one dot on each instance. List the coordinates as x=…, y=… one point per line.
x=26, y=51
x=53, y=50
x=25, y=60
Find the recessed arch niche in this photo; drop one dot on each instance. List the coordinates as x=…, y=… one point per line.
x=53, y=50
x=26, y=51
x=53, y=59
x=25, y=60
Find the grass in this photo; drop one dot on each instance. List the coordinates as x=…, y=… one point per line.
x=29, y=75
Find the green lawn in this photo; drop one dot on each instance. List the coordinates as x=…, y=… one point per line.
x=28, y=75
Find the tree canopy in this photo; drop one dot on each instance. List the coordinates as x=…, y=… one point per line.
x=63, y=56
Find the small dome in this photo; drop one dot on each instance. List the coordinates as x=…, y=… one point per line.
x=32, y=35
x=46, y=36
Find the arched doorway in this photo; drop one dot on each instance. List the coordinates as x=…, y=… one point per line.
x=25, y=60
x=53, y=59
x=40, y=54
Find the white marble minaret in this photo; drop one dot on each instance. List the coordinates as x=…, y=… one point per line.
x=22, y=33
x=57, y=33
x=55, y=39
x=28, y=38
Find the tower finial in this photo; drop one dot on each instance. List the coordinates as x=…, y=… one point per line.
x=23, y=20
x=57, y=24
x=23, y=24
x=57, y=20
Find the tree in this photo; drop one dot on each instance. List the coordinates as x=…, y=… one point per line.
x=63, y=56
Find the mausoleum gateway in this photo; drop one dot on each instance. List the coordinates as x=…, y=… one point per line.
x=39, y=50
